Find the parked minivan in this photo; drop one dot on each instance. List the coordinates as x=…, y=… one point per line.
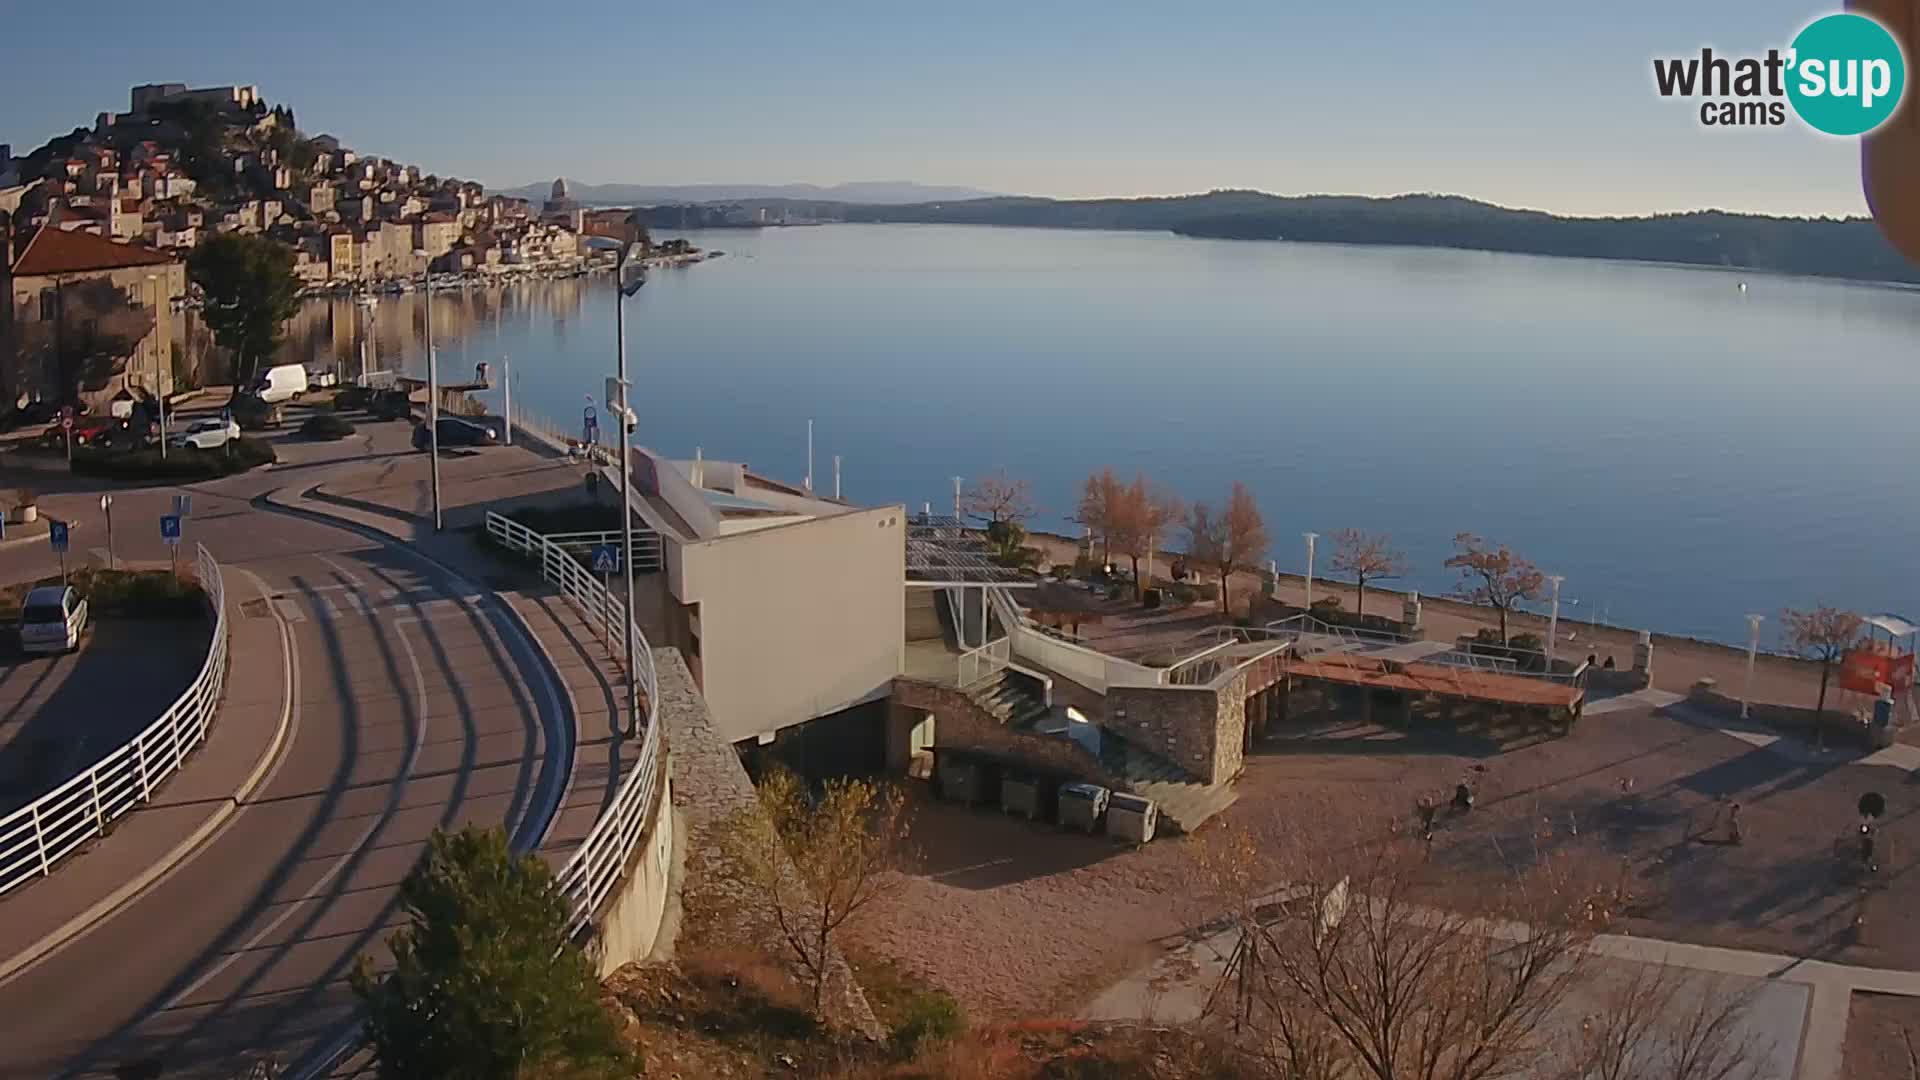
x=52, y=619
x=283, y=382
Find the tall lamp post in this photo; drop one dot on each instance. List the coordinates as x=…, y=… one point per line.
x=1753, y=648
x=622, y=292
x=1310, y=538
x=433, y=396
x=1553, y=621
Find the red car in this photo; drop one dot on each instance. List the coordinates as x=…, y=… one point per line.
x=87, y=430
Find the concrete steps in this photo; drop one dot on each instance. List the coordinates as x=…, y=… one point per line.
x=1184, y=804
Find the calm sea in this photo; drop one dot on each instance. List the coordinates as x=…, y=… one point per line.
x=1681, y=450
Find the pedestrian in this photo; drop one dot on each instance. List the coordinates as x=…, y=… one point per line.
x=1609, y=663
x=1733, y=824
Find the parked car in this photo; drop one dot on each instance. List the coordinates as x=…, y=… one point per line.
x=52, y=619
x=87, y=430
x=391, y=405
x=206, y=435
x=456, y=432
x=282, y=382
x=254, y=413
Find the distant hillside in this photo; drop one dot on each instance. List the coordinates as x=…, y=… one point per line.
x=1826, y=247
x=871, y=192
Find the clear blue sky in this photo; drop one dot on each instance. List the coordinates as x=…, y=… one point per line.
x=1541, y=104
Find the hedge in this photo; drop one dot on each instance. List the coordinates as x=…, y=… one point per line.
x=180, y=463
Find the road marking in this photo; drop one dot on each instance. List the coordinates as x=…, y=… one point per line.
x=313, y=891
x=202, y=837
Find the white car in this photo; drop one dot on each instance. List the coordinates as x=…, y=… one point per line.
x=206, y=434
x=52, y=619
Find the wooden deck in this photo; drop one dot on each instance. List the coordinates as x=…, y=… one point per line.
x=1440, y=680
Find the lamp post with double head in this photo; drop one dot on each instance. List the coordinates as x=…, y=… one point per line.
x=623, y=290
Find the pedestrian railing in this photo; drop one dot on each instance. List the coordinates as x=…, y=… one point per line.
x=36, y=837
x=596, y=866
x=647, y=550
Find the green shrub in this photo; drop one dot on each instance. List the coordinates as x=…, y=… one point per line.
x=326, y=426
x=137, y=593
x=181, y=463
x=930, y=1017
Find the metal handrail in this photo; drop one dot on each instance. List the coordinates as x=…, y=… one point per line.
x=34, y=838
x=648, y=551
x=597, y=864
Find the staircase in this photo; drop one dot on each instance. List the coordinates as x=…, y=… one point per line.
x=1183, y=803
x=1014, y=699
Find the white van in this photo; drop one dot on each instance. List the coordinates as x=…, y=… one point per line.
x=285, y=382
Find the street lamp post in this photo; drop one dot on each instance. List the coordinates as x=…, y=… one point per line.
x=1310, y=537
x=1553, y=621
x=621, y=291
x=1753, y=648
x=433, y=400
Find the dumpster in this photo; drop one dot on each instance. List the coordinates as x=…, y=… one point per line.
x=960, y=780
x=1020, y=795
x=1130, y=817
x=1082, y=806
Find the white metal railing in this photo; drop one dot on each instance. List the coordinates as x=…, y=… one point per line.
x=648, y=553
x=595, y=867
x=984, y=661
x=34, y=838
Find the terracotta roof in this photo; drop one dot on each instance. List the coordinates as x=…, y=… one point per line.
x=53, y=251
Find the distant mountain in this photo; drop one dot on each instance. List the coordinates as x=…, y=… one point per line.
x=1824, y=247
x=870, y=192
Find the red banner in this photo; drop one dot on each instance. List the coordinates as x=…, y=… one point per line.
x=1866, y=670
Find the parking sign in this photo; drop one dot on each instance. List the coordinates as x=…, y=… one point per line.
x=57, y=533
x=170, y=529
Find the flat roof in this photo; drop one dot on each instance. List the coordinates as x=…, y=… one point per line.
x=940, y=551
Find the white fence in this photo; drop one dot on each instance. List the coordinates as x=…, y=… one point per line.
x=647, y=550
x=34, y=838
x=597, y=864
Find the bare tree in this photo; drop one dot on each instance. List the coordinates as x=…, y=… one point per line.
x=1101, y=507
x=1366, y=557
x=1142, y=517
x=1359, y=969
x=1823, y=634
x=997, y=498
x=1230, y=541
x=1494, y=576
x=818, y=862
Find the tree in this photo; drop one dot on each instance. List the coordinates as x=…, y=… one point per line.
x=1366, y=557
x=997, y=498
x=485, y=982
x=1231, y=541
x=1101, y=499
x=1356, y=970
x=1139, y=518
x=818, y=862
x=1824, y=634
x=249, y=292
x=1494, y=576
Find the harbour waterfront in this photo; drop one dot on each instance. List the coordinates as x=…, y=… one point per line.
x=1683, y=450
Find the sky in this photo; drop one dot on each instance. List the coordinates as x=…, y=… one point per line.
x=1540, y=104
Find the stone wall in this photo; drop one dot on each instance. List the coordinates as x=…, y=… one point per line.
x=1838, y=726
x=961, y=723
x=1202, y=729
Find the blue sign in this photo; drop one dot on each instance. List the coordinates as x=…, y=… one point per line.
x=57, y=532
x=606, y=559
x=592, y=422
x=170, y=528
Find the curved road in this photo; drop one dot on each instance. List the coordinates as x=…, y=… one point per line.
x=416, y=704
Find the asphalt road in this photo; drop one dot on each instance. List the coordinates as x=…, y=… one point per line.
x=416, y=705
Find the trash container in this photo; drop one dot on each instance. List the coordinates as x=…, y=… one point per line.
x=1020, y=795
x=1130, y=817
x=959, y=780
x=1082, y=806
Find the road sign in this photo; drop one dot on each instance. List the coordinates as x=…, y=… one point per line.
x=170, y=528
x=606, y=559
x=66, y=421
x=182, y=505
x=106, y=502
x=57, y=533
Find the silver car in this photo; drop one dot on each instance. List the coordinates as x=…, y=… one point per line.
x=52, y=620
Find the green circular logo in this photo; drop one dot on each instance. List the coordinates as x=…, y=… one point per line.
x=1846, y=74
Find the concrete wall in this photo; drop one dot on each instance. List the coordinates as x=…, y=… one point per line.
x=630, y=923
x=797, y=621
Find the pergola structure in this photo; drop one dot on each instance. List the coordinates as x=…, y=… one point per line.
x=943, y=554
